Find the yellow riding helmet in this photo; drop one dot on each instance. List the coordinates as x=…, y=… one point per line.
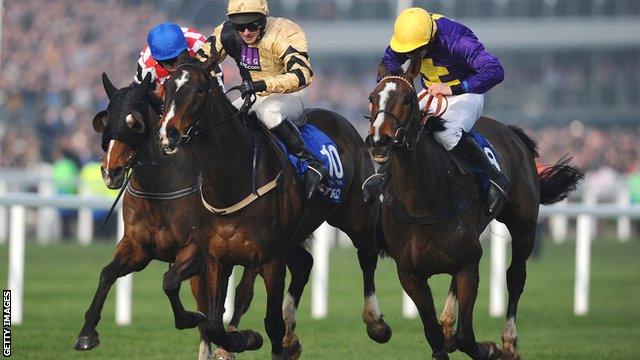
x=413, y=28
x=236, y=7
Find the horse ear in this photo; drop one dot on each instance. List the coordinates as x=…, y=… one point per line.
x=211, y=63
x=382, y=70
x=415, y=64
x=141, y=90
x=100, y=121
x=108, y=86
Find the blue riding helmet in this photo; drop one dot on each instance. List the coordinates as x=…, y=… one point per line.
x=166, y=41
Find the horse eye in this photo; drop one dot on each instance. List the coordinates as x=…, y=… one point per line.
x=201, y=90
x=371, y=98
x=406, y=100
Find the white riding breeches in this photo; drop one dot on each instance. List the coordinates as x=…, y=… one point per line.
x=463, y=112
x=273, y=108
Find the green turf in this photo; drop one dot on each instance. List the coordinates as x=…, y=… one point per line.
x=60, y=281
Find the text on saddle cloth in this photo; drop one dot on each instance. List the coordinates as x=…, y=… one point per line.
x=325, y=149
x=491, y=154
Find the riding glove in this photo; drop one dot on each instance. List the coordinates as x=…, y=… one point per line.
x=249, y=87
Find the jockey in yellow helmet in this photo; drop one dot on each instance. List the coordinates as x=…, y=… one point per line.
x=454, y=64
x=272, y=56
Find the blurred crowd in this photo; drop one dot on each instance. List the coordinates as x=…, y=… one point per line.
x=51, y=62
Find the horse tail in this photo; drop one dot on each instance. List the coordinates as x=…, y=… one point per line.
x=557, y=181
x=531, y=144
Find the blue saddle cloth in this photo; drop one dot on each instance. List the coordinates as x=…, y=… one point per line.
x=491, y=153
x=323, y=148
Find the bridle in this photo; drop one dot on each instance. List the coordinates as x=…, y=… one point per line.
x=404, y=132
x=194, y=129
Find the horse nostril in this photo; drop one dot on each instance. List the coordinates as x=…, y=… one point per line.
x=173, y=136
x=117, y=172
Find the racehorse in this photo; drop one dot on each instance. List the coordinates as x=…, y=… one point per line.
x=159, y=208
x=237, y=160
x=432, y=218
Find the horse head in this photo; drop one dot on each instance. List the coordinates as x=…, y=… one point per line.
x=394, y=111
x=188, y=94
x=123, y=126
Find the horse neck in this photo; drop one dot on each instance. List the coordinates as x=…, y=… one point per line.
x=160, y=173
x=417, y=177
x=225, y=154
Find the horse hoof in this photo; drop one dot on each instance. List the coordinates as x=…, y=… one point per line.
x=440, y=355
x=222, y=354
x=379, y=331
x=493, y=350
x=292, y=347
x=87, y=342
x=190, y=320
x=253, y=339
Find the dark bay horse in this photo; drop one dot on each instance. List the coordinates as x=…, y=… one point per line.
x=432, y=217
x=267, y=233
x=159, y=208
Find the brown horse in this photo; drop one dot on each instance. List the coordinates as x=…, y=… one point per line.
x=267, y=233
x=432, y=217
x=159, y=209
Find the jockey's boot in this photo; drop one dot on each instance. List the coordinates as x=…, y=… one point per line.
x=375, y=184
x=290, y=135
x=468, y=151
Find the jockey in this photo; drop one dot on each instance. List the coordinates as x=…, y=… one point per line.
x=271, y=54
x=168, y=45
x=456, y=65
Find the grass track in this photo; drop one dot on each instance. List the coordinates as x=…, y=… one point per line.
x=60, y=281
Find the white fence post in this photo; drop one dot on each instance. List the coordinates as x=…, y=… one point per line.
x=558, y=225
x=229, y=300
x=48, y=220
x=499, y=237
x=409, y=309
x=320, y=273
x=16, y=261
x=124, y=286
x=4, y=224
x=85, y=219
x=624, y=222
x=583, y=260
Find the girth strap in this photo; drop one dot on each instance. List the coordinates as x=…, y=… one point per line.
x=172, y=195
x=244, y=202
x=455, y=209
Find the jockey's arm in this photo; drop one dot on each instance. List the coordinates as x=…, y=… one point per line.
x=487, y=68
x=291, y=47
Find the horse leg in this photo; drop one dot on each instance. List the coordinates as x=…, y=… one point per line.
x=199, y=293
x=299, y=262
x=217, y=276
x=419, y=291
x=186, y=264
x=274, y=280
x=467, y=288
x=129, y=257
x=360, y=224
x=448, y=317
x=521, y=247
x=243, y=298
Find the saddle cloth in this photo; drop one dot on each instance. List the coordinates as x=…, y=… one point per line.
x=491, y=153
x=323, y=148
